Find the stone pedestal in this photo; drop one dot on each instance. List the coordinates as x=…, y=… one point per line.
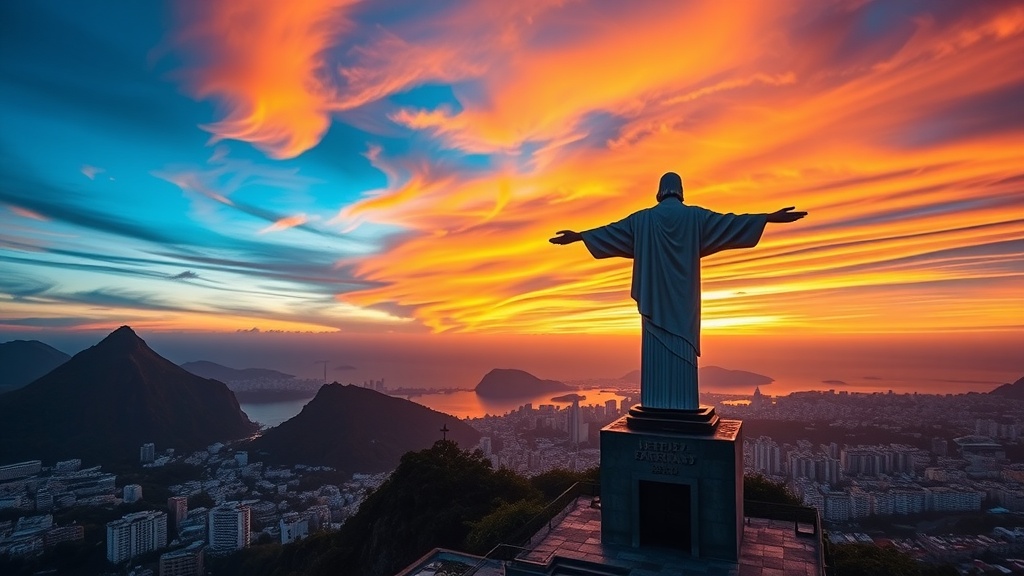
x=676, y=489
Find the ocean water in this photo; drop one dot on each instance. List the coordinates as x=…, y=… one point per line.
x=462, y=404
x=466, y=403
x=273, y=413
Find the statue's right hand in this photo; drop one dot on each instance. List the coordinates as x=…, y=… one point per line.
x=565, y=237
x=786, y=215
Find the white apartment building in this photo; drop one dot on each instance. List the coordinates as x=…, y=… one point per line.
x=767, y=457
x=132, y=493
x=136, y=534
x=229, y=527
x=20, y=470
x=293, y=528
x=954, y=499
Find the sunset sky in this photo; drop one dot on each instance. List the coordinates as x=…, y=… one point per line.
x=397, y=167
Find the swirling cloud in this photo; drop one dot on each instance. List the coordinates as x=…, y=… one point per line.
x=902, y=152
x=265, y=64
x=450, y=139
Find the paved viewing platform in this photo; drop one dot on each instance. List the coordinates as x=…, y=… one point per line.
x=770, y=548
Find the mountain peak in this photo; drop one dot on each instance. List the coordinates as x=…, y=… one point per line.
x=124, y=340
x=1015, y=390
x=122, y=334
x=107, y=400
x=347, y=427
x=22, y=361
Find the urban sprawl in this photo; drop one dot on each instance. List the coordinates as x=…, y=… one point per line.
x=860, y=459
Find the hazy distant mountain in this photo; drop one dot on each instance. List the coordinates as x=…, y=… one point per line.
x=356, y=429
x=22, y=361
x=225, y=374
x=511, y=383
x=718, y=379
x=633, y=377
x=108, y=400
x=1015, y=390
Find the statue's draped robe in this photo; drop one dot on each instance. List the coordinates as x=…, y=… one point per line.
x=666, y=243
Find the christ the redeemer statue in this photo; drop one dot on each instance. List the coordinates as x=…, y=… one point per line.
x=666, y=243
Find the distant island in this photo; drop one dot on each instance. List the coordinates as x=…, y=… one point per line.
x=227, y=375
x=256, y=385
x=718, y=379
x=512, y=383
x=569, y=398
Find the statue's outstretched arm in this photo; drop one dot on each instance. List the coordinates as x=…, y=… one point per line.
x=785, y=215
x=566, y=237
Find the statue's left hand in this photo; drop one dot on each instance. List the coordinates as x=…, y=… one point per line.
x=566, y=237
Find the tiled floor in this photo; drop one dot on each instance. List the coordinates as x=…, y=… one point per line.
x=770, y=548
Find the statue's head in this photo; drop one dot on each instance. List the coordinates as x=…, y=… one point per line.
x=671, y=185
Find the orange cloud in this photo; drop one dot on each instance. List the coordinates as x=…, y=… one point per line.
x=900, y=135
x=910, y=228
x=286, y=223
x=264, y=64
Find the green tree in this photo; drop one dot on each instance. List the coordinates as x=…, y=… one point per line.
x=501, y=525
x=757, y=487
x=943, y=570
x=552, y=483
x=435, y=498
x=430, y=500
x=200, y=500
x=871, y=560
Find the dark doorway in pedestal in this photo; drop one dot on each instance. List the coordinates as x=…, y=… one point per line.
x=665, y=515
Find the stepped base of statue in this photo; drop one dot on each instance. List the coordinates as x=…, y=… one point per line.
x=673, y=481
x=700, y=421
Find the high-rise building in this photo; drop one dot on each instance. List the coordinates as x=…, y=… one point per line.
x=485, y=445
x=184, y=562
x=132, y=493
x=860, y=502
x=58, y=534
x=611, y=409
x=136, y=534
x=319, y=517
x=837, y=505
x=817, y=467
x=229, y=526
x=193, y=526
x=44, y=500
x=20, y=470
x=767, y=457
x=575, y=423
x=293, y=527
x=177, y=507
x=909, y=500
x=65, y=466
x=954, y=499
x=583, y=432
x=147, y=453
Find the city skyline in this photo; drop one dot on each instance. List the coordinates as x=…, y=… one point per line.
x=392, y=175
